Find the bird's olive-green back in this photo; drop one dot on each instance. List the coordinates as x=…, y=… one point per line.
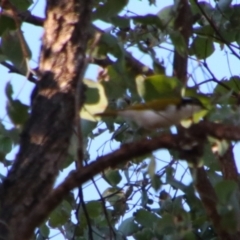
x=156, y=105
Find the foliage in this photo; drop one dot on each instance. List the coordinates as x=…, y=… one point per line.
x=136, y=203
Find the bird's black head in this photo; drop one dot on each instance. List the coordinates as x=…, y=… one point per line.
x=191, y=101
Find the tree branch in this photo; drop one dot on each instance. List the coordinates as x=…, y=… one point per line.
x=215, y=28
x=182, y=24
x=136, y=65
x=228, y=165
x=13, y=69
x=122, y=155
x=210, y=201
x=25, y=17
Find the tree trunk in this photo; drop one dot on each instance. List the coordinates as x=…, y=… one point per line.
x=45, y=138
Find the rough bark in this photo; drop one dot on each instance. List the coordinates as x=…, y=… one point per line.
x=183, y=24
x=210, y=201
x=45, y=138
x=228, y=165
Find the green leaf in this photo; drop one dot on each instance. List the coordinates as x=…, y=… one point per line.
x=109, y=9
x=113, y=177
x=176, y=184
x=87, y=127
x=11, y=47
x=2, y=159
x=70, y=230
x=146, y=37
x=149, y=19
x=202, y=47
x=166, y=204
x=237, y=38
x=95, y=102
x=5, y=144
x=94, y=209
x=129, y=191
x=17, y=111
x=230, y=211
x=207, y=9
x=151, y=167
x=166, y=225
x=92, y=95
x=204, y=31
x=116, y=86
x=178, y=205
x=144, y=234
x=209, y=159
x=157, y=86
x=156, y=182
x=167, y=15
x=214, y=177
x=189, y=236
x=229, y=35
x=6, y=23
x=12, y=134
x=2, y=57
x=178, y=42
x=158, y=67
x=44, y=230
x=114, y=195
x=229, y=219
x=225, y=86
x=21, y=4
x=121, y=22
x=152, y=2
x=223, y=146
x=9, y=91
x=72, y=149
x=109, y=44
x=120, y=208
x=145, y=218
x=68, y=161
x=219, y=146
x=225, y=189
x=128, y=227
x=60, y=215
x=144, y=197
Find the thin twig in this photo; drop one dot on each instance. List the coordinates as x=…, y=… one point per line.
x=13, y=69
x=80, y=155
x=212, y=24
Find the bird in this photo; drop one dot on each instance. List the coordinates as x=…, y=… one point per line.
x=158, y=113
